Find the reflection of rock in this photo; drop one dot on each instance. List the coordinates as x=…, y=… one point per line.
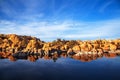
x=11, y=58
x=1, y=55
x=46, y=57
x=76, y=57
x=32, y=58
x=20, y=55
x=110, y=55
x=55, y=57
x=63, y=55
x=86, y=57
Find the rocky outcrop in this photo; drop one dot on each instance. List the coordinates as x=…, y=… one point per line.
x=15, y=43
x=20, y=46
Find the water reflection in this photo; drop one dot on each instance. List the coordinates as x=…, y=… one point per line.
x=60, y=67
x=33, y=57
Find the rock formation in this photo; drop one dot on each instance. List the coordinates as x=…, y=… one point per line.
x=30, y=47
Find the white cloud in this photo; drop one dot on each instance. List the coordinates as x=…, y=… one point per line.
x=66, y=29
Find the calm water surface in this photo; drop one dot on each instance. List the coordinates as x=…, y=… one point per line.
x=62, y=69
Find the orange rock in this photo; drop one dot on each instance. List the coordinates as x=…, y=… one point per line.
x=113, y=47
x=32, y=44
x=90, y=47
x=106, y=47
x=76, y=48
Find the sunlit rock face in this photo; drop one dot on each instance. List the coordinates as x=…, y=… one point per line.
x=32, y=44
x=14, y=43
x=113, y=47
x=76, y=48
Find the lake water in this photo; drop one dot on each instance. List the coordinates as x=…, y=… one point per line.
x=63, y=69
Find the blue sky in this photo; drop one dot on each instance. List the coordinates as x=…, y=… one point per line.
x=66, y=19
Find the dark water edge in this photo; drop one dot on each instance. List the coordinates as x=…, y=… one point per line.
x=62, y=69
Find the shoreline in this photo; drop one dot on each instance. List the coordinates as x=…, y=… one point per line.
x=12, y=44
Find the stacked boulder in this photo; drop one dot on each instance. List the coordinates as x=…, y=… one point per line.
x=12, y=44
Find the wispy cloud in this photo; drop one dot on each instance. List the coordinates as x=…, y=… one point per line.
x=7, y=9
x=66, y=29
x=28, y=10
x=102, y=8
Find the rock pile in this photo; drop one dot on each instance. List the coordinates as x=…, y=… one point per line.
x=25, y=46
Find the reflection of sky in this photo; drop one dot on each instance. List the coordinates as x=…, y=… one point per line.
x=62, y=69
x=50, y=19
